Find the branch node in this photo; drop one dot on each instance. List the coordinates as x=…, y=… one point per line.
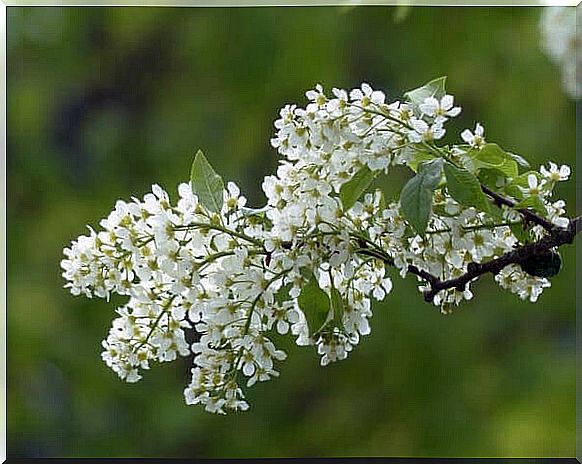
x=428, y=296
x=472, y=268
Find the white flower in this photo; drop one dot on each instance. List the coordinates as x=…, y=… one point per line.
x=232, y=197
x=560, y=221
x=337, y=105
x=534, y=186
x=475, y=139
x=555, y=174
x=440, y=109
x=555, y=212
x=366, y=95
x=422, y=132
x=481, y=244
x=382, y=288
x=517, y=281
x=317, y=97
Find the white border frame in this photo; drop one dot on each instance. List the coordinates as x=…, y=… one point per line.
x=221, y=3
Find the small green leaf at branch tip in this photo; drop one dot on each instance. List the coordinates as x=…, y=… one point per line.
x=417, y=194
x=492, y=156
x=465, y=188
x=351, y=191
x=315, y=304
x=206, y=183
x=434, y=88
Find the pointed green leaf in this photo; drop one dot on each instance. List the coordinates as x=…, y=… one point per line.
x=431, y=172
x=338, y=307
x=419, y=157
x=434, y=88
x=206, y=183
x=416, y=195
x=353, y=189
x=465, y=188
x=492, y=156
x=315, y=304
x=491, y=178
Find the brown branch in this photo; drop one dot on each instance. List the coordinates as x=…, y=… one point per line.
x=500, y=200
x=557, y=236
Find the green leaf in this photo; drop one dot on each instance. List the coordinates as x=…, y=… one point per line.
x=306, y=273
x=519, y=160
x=439, y=210
x=465, y=188
x=434, y=88
x=416, y=196
x=491, y=178
x=315, y=304
x=382, y=203
x=432, y=171
x=521, y=233
x=496, y=213
x=282, y=294
x=419, y=157
x=534, y=202
x=338, y=307
x=352, y=189
x=492, y=156
x=206, y=183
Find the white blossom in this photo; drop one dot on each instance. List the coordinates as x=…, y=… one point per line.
x=555, y=173
x=441, y=109
x=475, y=139
x=423, y=132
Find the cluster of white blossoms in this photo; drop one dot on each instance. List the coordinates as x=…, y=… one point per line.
x=561, y=42
x=213, y=278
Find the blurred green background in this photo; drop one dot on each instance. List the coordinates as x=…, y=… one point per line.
x=103, y=102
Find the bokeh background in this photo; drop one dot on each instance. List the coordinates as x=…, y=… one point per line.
x=103, y=102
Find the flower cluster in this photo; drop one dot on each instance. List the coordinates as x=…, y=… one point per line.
x=183, y=267
x=561, y=42
x=213, y=278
